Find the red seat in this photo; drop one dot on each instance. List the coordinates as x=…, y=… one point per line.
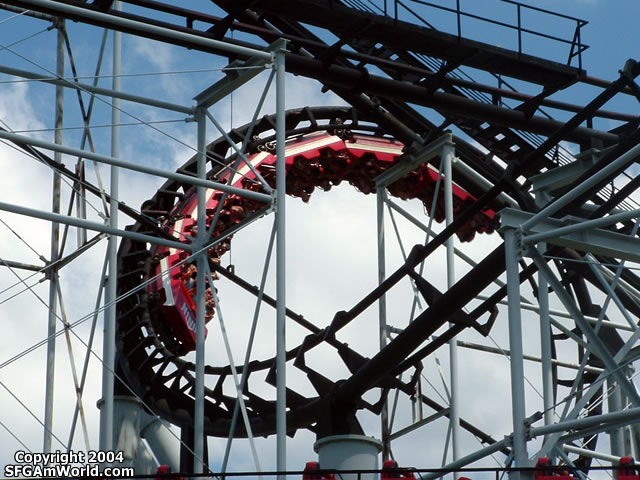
x=311, y=472
x=545, y=471
x=163, y=471
x=393, y=471
x=629, y=472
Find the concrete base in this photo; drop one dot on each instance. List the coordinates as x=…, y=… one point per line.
x=349, y=452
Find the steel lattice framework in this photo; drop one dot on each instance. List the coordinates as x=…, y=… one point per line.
x=479, y=156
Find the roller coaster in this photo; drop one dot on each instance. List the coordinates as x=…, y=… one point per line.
x=563, y=221
x=319, y=158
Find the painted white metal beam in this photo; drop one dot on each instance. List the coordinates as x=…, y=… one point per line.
x=411, y=160
x=576, y=233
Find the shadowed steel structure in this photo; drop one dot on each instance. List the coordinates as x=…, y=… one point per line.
x=481, y=156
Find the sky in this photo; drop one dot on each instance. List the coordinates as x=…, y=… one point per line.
x=331, y=241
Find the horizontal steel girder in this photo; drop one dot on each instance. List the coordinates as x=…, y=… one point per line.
x=397, y=34
x=573, y=232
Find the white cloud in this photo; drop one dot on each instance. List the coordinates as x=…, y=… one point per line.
x=158, y=54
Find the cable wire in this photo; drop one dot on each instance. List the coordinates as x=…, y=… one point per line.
x=78, y=87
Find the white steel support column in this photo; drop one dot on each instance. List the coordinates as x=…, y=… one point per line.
x=109, y=340
x=55, y=240
x=382, y=312
x=519, y=442
x=545, y=333
x=545, y=346
x=447, y=155
x=614, y=401
x=198, y=414
x=281, y=391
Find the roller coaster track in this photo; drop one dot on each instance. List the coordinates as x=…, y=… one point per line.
x=328, y=145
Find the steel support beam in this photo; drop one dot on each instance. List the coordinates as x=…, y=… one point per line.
x=616, y=435
x=89, y=225
x=602, y=175
x=109, y=338
x=562, y=176
x=236, y=75
x=382, y=309
x=447, y=154
x=346, y=77
x=558, y=313
x=587, y=432
x=595, y=342
x=22, y=266
x=546, y=346
x=419, y=424
x=201, y=262
x=250, y=341
x=134, y=166
x=472, y=175
x=425, y=324
x=281, y=289
x=581, y=226
x=630, y=415
x=29, y=13
x=518, y=411
x=507, y=352
x=85, y=87
x=55, y=240
x=580, y=234
x=466, y=460
x=591, y=454
x=413, y=159
x=166, y=34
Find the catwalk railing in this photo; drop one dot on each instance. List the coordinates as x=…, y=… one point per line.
x=418, y=10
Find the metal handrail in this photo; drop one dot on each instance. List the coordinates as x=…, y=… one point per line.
x=561, y=155
x=575, y=41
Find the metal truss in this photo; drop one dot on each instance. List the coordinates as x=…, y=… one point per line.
x=568, y=228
